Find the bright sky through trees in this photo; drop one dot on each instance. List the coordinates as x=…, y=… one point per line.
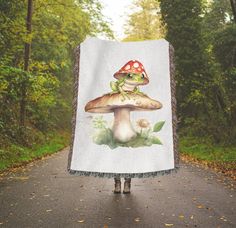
x=117, y=10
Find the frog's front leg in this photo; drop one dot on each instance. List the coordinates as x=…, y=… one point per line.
x=122, y=92
x=137, y=91
x=114, y=88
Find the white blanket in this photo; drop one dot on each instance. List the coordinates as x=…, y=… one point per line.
x=124, y=109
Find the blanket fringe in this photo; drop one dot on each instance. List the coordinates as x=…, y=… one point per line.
x=129, y=175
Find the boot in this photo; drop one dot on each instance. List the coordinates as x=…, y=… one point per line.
x=117, y=185
x=127, y=186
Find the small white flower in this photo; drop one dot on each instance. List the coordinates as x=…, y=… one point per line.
x=143, y=123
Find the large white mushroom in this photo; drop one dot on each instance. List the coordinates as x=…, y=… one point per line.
x=123, y=130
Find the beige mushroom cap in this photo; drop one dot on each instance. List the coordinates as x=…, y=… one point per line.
x=108, y=102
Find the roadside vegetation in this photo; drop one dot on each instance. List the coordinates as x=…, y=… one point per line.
x=36, y=62
x=37, y=45
x=14, y=155
x=203, y=34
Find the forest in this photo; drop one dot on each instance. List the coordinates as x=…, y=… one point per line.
x=37, y=42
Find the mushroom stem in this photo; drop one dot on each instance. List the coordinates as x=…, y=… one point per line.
x=122, y=128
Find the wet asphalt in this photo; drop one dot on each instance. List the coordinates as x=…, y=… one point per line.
x=43, y=194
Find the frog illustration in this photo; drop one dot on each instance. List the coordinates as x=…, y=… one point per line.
x=130, y=76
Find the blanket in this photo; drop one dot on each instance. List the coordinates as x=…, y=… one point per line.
x=124, y=120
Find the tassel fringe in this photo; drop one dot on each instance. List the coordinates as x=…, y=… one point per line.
x=123, y=175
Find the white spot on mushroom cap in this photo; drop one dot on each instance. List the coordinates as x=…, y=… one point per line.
x=136, y=65
x=127, y=67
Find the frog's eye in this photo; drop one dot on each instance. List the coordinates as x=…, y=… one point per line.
x=130, y=75
x=142, y=75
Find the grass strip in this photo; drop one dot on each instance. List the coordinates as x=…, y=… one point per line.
x=15, y=155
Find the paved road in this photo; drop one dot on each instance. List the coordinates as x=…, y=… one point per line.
x=43, y=194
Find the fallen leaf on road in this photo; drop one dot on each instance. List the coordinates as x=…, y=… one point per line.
x=200, y=206
x=223, y=218
x=127, y=208
x=137, y=219
x=181, y=216
x=21, y=178
x=1, y=223
x=49, y=210
x=169, y=224
x=81, y=221
x=191, y=217
x=105, y=226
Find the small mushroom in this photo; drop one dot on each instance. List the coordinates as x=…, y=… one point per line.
x=122, y=129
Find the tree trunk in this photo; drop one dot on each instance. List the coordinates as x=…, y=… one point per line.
x=26, y=61
x=233, y=5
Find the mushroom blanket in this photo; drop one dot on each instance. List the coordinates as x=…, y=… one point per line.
x=124, y=104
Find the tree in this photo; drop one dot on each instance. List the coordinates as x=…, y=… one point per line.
x=26, y=61
x=145, y=22
x=183, y=23
x=58, y=27
x=233, y=6
x=219, y=31
x=204, y=41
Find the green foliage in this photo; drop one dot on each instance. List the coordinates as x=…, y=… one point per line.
x=104, y=135
x=99, y=122
x=13, y=155
x=139, y=141
x=204, y=40
x=57, y=28
x=145, y=22
x=183, y=24
x=158, y=126
x=224, y=46
x=203, y=149
x=219, y=32
x=41, y=98
x=155, y=140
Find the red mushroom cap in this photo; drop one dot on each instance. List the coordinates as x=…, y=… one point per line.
x=133, y=66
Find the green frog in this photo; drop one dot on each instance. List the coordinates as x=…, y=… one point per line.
x=129, y=82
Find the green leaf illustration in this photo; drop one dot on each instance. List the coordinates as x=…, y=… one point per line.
x=158, y=126
x=155, y=140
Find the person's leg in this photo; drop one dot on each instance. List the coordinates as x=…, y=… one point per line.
x=117, y=178
x=127, y=185
x=117, y=184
